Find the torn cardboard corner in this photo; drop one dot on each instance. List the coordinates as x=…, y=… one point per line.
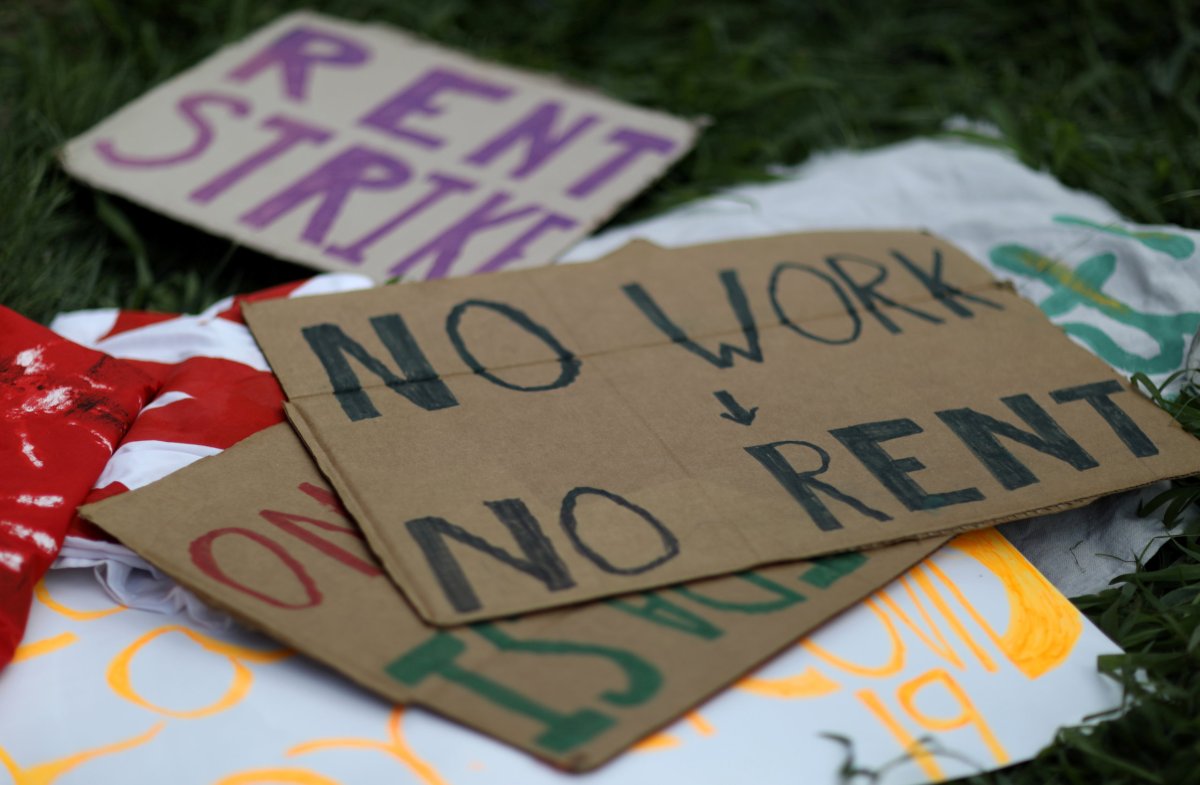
x=256, y=530
x=527, y=440
x=346, y=146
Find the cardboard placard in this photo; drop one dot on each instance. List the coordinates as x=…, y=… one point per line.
x=357, y=147
x=256, y=530
x=526, y=440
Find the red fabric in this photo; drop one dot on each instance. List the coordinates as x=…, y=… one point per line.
x=217, y=403
x=64, y=409
x=234, y=312
x=226, y=402
x=131, y=320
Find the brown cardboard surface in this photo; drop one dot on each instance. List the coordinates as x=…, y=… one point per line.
x=353, y=147
x=526, y=440
x=256, y=530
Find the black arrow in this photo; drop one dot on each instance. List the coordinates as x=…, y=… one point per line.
x=736, y=413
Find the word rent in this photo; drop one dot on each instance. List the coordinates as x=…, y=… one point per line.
x=358, y=148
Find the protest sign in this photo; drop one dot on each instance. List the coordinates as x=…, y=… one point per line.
x=256, y=530
x=531, y=439
x=353, y=147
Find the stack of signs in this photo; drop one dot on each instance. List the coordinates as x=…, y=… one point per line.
x=531, y=440
x=578, y=462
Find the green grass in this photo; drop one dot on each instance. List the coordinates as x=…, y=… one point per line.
x=1104, y=95
x=1154, y=614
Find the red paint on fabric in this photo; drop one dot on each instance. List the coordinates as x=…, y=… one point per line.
x=64, y=408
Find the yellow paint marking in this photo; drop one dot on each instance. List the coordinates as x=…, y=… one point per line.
x=395, y=747
x=280, y=775
x=941, y=647
x=27, y=651
x=1066, y=277
x=922, y=579
x=701, y=725
x=121, y=682
x=1043, y=626
x=43, y=594
x=970, y=715
x=47, y=773
x=809, y=683
x=923, y=757
x=665, y=741
x=655, y=742
x=895, y=661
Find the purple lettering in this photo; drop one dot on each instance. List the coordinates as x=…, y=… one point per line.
x=417, y=98
x=297, y=53
x=447, y=246
x=443, y=186
x=189, y=107
x=291, y=133
x=536, y=132
x=635, y=145
x=355, y=168
x=516, y=249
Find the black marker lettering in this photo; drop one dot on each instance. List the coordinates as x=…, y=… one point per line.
x=945, y=293
x=863, y=440
x=1097, y=395
x=741, y=309
x=542, y=561
x=420, y=383
x=568, y=363
x=851, y=311
x=801, y=485
x=571, y=527
x=867, y=294
x=979, y=431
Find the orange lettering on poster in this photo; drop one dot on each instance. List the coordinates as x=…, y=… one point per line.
x=919, y=752
x=43, y=594
x=664, y=740
x=969, y=715
x=921, y=578
x=940, y=646
x=27, y=651
x=1043, y=626
x=120, y=679
x=47, y=773
x=895, y=660
x=395, y=747
x=288, y=776
x=808, y=683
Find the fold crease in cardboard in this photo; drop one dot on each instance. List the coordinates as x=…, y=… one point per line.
x=527, y=440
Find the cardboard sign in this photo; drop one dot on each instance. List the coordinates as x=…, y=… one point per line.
x=255, y=530
x=527, y=440
x=357, y=147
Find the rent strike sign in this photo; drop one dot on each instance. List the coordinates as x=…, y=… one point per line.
x=258, y=531
x=531, y=439
x=356, y=147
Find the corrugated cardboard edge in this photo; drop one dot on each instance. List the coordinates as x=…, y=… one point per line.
x=328, y=467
